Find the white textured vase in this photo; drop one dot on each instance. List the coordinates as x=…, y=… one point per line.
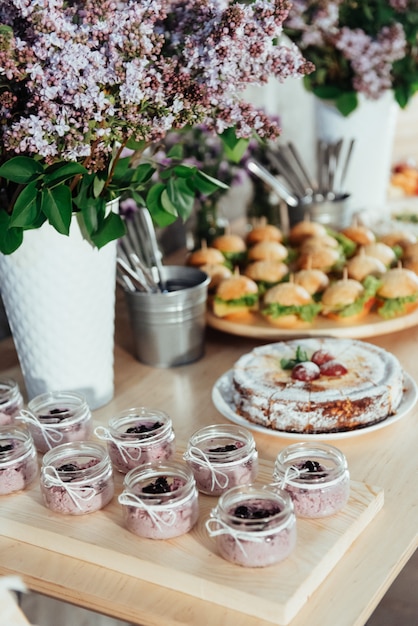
x=59, y=296
x=372, y=125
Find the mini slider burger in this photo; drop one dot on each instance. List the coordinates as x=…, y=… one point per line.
x=313, y=280
x=288, y=305
x=348, y=300
x=397, y=293
x=233, y=248
x=304, y=229
x=205, y=256
x=266, y=273
x=264, y=232
x=236, y=297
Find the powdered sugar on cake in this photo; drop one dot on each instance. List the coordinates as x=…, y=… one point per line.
x=266, y=394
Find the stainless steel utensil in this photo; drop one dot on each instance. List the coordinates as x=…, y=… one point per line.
x=281, y=190
x=155, y=265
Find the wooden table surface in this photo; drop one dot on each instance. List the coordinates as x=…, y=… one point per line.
x=347, y=597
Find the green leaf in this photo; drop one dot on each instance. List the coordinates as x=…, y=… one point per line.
x=10, y=238
x=91, y=212
x=347, y=103
x=111, y=228
x=235, y=147
x=58, y=173
x=143, y=173
x=184, y=171
x=136, y=145
x=207, y=184
x=300, y=357
x=167, y=205
x=21, y=170
x=27, y=207
x=176, y=151
x=181, y=196
x=155, y=206
x=57, y=206
x=98, y=185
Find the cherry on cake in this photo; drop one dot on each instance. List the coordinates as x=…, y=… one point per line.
x=317, y=385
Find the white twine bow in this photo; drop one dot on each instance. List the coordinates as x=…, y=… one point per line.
x=290, y=474
x=123, y=447
x=239, y=536
x=77, y=494
x=51, y=435
x=218, y=478
x=161, y=515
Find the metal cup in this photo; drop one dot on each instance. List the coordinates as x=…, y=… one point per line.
x=169, y=327
x=335, y=213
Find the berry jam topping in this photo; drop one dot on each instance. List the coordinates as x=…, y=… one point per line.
x=311, y=467
x=6, y=448
x=144, y=428
x=250, y=512
x=68, y=467
x=158, y=486
x=55, y=415
x=228, y=448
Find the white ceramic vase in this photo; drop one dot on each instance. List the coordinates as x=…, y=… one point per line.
x=59, y=296
x=372, y=125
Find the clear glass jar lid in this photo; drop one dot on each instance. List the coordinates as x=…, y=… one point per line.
x=15, y=445
x=220, y=444
x=78, y=462
x=250, y=512
x=142, y=425
x=57, y=409
x=310, y=466
x=161, y=484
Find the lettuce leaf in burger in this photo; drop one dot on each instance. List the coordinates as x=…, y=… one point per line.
x=289, y=306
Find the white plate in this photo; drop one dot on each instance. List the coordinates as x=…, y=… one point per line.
x=222, y=399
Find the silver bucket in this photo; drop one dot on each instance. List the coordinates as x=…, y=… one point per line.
x=336, y=214
x=169, y=328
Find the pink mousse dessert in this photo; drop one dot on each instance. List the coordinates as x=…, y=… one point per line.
x=138, y=436
x=18, y=459
x=160, y=501
x=77, y=478
x=222, y=456
x=315, y=476
x=11, y=401
x=56, y=418
x=253, y=527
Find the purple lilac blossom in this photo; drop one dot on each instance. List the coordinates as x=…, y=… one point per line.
x=79, y=77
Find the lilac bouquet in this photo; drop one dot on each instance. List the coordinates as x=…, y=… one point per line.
x=83, y=80
x=358, y=47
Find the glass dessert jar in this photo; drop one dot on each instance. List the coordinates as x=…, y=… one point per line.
x=138, y=436
x=316, y=476
x=11, y=401
x=18, y=459
x=253, y=527
x=56, y=418
x=222, y=456
x=77, y=478
x=160, y=501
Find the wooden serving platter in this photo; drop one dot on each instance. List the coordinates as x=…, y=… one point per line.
x=190, y=564
x=256, y=327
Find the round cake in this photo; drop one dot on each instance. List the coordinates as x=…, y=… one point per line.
x=348, y=384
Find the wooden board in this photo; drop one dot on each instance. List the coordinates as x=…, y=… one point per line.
x=189, y=563
x=258, y=328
